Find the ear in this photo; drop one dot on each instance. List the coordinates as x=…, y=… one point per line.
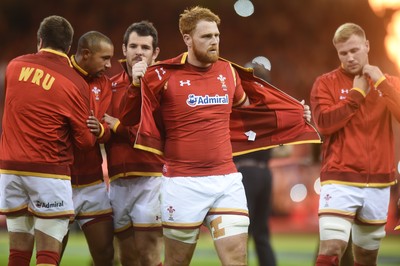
x=367, y=45
x=188, y=40
x=85, y=53
x=156, y=53
x=40, y=44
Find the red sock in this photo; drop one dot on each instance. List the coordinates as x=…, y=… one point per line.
x=19, y=258
x=46, y=257
x=325, y=260
x=160, y=264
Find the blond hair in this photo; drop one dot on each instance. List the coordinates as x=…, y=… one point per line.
x=345, y=31
x=190, y=17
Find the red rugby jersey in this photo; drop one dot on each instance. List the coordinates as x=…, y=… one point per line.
x=196, y=104
x=87, y=167
x=186, y=115
x=46, y=108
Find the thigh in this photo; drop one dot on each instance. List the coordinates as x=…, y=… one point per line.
x=13, y=195
x=91, y=202
x=232, y=197
x=185, y=202
x=340, y=200
x=49, y=197
x=128, y=251
x=122, y=200
x=146, y=210
x=375, y=208
x=232, y=250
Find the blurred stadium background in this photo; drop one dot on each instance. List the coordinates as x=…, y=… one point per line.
x=295, y=35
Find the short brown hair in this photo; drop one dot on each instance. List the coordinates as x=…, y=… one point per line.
x=345, y=31
x=190, y=17
x=56, y=32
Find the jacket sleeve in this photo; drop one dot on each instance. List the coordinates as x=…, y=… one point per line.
x=390, y=89
x=82, y=137
x=130, y=106
x=328, y=114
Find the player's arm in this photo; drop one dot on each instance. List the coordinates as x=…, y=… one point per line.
x=329, y=114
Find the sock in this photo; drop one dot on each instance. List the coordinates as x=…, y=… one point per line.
x=325, y=260
x=19, y=258
x=45, y=257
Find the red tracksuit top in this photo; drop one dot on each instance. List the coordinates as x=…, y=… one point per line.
x=46, y=108
x=87, y=167
x=123, y=160
x=358, y=147
x=187, y=115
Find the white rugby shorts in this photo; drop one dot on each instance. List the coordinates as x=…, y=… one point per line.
x=42, y=196
x=187, y=201
x=366, y=204
x=91, y=202
x=136, y=203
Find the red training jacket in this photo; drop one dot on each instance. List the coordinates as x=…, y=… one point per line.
x=123, y=160
x=358, y=146
x=46, y=108
x=87, y=168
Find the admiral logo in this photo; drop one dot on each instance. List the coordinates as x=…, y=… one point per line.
x=49, y=205
x=194, y=100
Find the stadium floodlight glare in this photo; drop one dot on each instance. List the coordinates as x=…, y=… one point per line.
x=244, y=8
x=262, y=60
x=298, y=192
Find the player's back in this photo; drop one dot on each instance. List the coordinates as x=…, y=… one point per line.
x=46, y=107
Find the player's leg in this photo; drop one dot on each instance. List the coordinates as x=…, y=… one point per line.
x=21, y=239
x=149, y=244
x=179, y=246
x=369, y=228
x=229, y=231
x=146, y=217
x=185, y=202
x=99, y=234
x=334, y=228
x=19, y=226
x=128, y=253
x=49, y=234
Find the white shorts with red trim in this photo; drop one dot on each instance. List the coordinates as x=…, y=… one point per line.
x=364, y=204
x=136, y=203
x=91, y=202
x=42, y=196
x=187, y=201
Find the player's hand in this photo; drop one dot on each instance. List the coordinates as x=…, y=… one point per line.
x=110, y=120
x=307, y=111
x=373, y=72
x=93, y=124
x=361, y=82
x=138, y=71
